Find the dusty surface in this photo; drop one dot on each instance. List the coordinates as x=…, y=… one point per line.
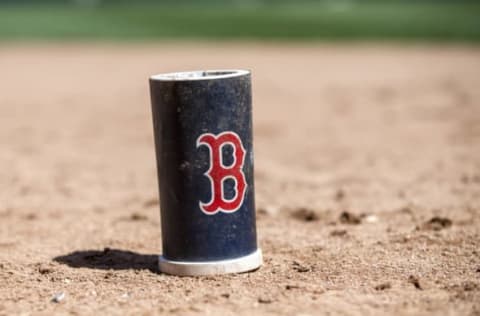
x=367, y=174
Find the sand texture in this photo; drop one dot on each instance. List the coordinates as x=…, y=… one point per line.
x=367, y=180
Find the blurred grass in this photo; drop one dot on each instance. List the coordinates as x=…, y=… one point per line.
x=365, y=20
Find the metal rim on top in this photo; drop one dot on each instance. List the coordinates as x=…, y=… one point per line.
x=200, y=75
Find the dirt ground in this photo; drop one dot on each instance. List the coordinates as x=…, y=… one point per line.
x=367, y=180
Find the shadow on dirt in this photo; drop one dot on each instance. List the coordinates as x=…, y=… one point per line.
x=107, y=259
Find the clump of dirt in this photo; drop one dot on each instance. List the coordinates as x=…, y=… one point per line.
x=437, y=223
x=45, y=269
x=340, y=195
x=31, y=217
x=300, y=267
x=470, y=286
x=150, y=203
x=108, y=275
x=268, y=210
x=349, y=218
x=138, y=217
x=338, y=232
x=306, y=215
x=383, y=286
x=415, y=281
x=464, y=290
x=466, y=286
x=265, y=300
x=467, y=179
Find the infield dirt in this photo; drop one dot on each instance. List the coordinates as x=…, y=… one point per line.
x=367, y=180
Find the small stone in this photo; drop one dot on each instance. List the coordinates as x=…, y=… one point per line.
x=371, y=219
x=57, y=298
x=226, y=295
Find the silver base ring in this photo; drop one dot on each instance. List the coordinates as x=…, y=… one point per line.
x=186, y=268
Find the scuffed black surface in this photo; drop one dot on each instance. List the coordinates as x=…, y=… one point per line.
x=182, y=110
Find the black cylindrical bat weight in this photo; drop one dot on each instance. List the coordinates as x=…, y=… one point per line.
x=203, y=138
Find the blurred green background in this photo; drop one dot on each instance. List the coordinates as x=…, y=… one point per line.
x=439, y=20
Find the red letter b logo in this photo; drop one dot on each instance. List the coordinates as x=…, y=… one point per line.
x=218, y=172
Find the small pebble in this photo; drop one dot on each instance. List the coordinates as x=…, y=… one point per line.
x=371, y=219
x=57, y=298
